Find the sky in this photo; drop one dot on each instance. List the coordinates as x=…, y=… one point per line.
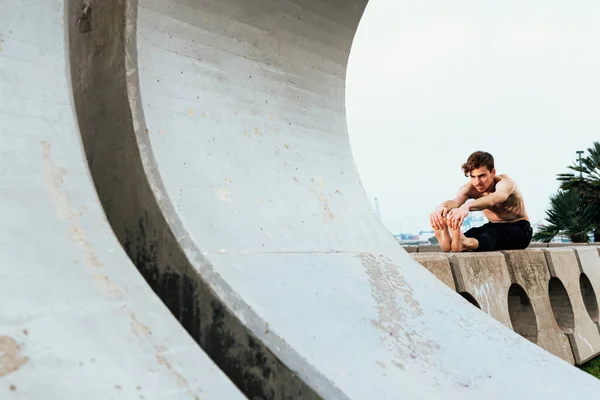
x=429, y=82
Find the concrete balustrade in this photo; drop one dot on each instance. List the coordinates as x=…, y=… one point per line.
x=429, y=248
x=485, y=278
x=529, y=271
x=589, y=264
x=568, y=305
x=548, y=295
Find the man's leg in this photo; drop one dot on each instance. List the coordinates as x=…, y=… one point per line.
x=462, y=243
x=481, y=238
x=514, y=236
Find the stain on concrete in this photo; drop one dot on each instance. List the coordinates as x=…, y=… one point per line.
x=181, y=381
x=11, y=359
x=398, y=365
x=84, y=19
x=138, y=328
x=66, y=211
x=327, y=214
x=224, y=194
x=107, y=285
x=388, y=287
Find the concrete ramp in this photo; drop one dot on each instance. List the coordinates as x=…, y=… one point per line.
x=216, y=136
x=77, y=320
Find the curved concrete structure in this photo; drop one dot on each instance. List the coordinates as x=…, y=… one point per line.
x=215, y=135
x=220, y=152
x=77, y=321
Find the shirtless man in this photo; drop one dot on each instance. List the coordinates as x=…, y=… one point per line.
x=499, y=199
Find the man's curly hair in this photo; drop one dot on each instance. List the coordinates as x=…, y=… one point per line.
x=478, y=159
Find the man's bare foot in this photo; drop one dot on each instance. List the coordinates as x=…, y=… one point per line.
x=461, y=243
x=457, y=241
x=444, y=239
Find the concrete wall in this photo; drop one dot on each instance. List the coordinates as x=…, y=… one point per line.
x=547, y=295
x=435, y=248
x=77, y=319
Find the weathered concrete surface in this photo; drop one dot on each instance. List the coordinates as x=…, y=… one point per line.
x=537, y=245
x=485, y=277
x=438, y=265
x=215, y=132
x=563, y=245
x=539, y=308
x=567, y=304
x=589, y=264
x=435, y=248
x=528, y=268
x=77, y=321
x=429, y=249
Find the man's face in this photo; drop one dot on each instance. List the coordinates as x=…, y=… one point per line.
x=482, y=178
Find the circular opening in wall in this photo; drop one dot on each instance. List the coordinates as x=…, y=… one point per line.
x=561, y=305
x=470, y=299
x=521, y=313
x=589, y=297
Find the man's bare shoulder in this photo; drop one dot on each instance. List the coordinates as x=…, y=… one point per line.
x=469, y=191
x=505, y=179
x=507, y=183
x=501, y=177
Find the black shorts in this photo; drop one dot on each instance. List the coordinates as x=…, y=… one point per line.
x=502, y=235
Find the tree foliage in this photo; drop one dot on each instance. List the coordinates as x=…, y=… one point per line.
x=586, y=177
x=570, y=215
x=575, y=208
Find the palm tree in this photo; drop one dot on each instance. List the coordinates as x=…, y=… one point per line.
x=586, y=181
x=570, y=215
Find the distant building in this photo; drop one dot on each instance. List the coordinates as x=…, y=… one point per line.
x=474, y=220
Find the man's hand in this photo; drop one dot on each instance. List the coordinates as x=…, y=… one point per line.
x=457, y=216
x=437, y=219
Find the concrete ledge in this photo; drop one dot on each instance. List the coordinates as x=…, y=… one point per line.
x=589, y=264
x=528, y=269
x=428, y=249
x=485, y=277
x=568, y=306
x=535, y=245
x=548, y=295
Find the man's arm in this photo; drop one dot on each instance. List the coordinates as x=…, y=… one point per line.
x=461, y=196
x=457, y=216
x=437, y=217
x=504, y=188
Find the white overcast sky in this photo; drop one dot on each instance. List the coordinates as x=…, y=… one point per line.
x=429, y=82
